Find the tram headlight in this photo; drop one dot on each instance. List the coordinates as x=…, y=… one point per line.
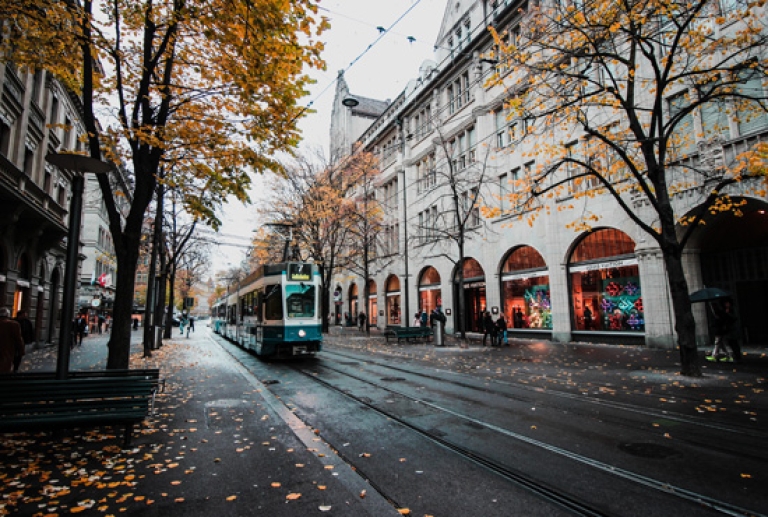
x=302, y=333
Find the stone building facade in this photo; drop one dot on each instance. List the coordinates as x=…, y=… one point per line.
x=607, y=285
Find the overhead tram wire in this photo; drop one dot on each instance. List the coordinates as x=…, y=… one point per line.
x=352, y=63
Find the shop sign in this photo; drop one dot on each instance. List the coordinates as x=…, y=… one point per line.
x=525, y=276
x=393, y=293
x=473, y=285
x=603, y=265
x=434, y=287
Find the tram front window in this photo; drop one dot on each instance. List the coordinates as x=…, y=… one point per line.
x=300, y=300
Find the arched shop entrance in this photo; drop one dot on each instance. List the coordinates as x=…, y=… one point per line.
x=605, y=284
x=373, y=304
x=353, y=303
x=734, y=257
x=429, y=290
x=392, y=287
x=525, y=296
x=474, y=295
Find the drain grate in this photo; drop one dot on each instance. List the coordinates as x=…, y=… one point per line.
x=648, y=450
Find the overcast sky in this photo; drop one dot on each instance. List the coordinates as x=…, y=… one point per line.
x=376, y=69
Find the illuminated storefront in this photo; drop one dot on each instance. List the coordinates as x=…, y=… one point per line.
x=525, y=297
x=353, y=304
x=605, y=283
x=430, y=294
x=373, y=304
x=394, y=317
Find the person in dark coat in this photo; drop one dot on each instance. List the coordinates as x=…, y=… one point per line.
x=501, y=330
x=11, y=342
x=27, y=335
x=361, y=321
x=81, y=326
x=489, y=328
x=723, y=327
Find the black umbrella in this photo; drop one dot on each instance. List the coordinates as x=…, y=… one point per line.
x=709, y=294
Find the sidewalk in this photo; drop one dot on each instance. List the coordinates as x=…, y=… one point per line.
x=635, y=367
x=219, y=444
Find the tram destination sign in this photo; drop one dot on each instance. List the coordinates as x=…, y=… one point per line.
x=299, y=272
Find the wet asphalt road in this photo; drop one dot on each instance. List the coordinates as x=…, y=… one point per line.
x=566, y=418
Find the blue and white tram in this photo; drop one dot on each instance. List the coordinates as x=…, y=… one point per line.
x=275, y=311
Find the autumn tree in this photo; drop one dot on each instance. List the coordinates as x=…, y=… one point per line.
x=151, y=66
x=648, y=89
x=458, y=188
x=313, y=201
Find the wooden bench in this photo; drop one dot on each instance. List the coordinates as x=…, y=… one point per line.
x=408, y=333
x=32, y=401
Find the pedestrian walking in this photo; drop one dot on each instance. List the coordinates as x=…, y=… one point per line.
x=424, y=318
x=11, y=342
x=183, y=323
x=416, y=320
x=81, y=329
x=489, y=328
x=501, y=330
x=101, y=322
x=361, y=321
x=191, y=325
x=722, y=326
x=733, y=334
x=27, y=335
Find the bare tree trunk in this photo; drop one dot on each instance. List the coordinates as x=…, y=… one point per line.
x=120, y=338
x=685, y=326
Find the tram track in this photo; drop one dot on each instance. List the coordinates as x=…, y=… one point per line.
x=544, y=490
x=565, y=500
x=740, y=432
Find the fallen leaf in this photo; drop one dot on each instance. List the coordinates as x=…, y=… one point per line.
x=275, y=484
x=362, y=494
x=404, y=511
x=324, y=508
x=231, y=498
x=292, y=496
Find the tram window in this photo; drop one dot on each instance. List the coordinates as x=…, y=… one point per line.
x=300, y=300
x=273, y=303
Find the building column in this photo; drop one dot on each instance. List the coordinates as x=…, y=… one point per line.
x=657, y=304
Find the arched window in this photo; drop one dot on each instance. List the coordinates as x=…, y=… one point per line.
x=525, y=290
x=605, y=283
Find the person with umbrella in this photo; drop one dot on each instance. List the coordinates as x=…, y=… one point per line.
x=723, y=327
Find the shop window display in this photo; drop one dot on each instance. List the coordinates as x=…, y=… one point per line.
x=606, y=295
x=525, y=290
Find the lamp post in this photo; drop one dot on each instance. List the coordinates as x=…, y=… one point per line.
x=78, y=165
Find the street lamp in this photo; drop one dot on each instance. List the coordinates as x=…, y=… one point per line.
x=78, y=165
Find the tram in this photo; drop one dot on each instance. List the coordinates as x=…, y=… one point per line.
x=275, y=311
